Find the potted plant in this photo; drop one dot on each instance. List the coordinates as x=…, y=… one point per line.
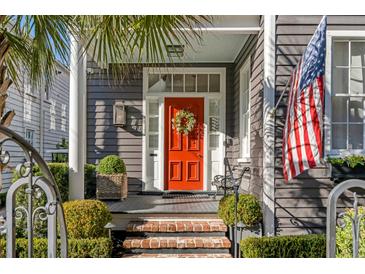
x=347, y=167
x=111, y=178
x=249, y=215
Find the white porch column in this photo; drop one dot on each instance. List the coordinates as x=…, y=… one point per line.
x=77, y=121
x=269, y=126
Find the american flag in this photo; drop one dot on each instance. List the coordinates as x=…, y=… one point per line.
x=302, y=138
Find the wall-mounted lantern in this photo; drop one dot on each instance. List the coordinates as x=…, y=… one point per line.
x=119, y=114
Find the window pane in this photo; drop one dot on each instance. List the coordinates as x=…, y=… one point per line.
x=357, y=81
x=153, y=80
x=339, y=109
x=213, y=140
x=190, y=82
x=178, y=83
x=245, y=101
x=245, y=81
x=153, y=124
x=341, y=54
x=245, y=125
x=340, y=80
x=356, y=110
x=202, y=82
x=166, y=78
x=153, y=108
x=213, y=108
x=356, y=136
x=213, y=124
x=214, y=83
x=339, y=136
x=357, y=54
x=153, y=141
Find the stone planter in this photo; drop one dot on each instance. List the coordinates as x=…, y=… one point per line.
x=111, y=187
x=243, y=233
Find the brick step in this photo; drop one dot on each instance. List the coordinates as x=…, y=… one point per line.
x=135, y=243
x=175, y=234
x=182, y=255
x=171, y=226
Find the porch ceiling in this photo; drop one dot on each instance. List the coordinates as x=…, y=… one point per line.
x=221, y=41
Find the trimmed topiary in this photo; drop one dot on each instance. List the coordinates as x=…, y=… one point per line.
x=248, y=210
x=299, y=246
x=86, y=218
x=111, y=164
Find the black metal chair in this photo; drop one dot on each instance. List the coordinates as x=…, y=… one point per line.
x=228, y=181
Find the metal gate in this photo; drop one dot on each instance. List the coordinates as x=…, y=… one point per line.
x=332, y=217
x=51, y=212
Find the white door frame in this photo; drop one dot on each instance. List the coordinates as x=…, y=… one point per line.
x=160, y=96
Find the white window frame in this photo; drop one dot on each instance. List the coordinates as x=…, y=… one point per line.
x=245, y=157
x=332, y=36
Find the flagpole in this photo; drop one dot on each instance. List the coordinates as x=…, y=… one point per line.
x=282, y=93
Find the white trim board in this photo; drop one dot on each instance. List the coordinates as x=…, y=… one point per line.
x=269, y=126
x=160, y=96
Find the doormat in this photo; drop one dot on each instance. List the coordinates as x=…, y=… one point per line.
x=185, y=195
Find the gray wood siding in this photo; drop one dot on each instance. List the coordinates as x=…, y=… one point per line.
x=19, y=100
x=253, y=49
x=103, y=138
x=301, y=204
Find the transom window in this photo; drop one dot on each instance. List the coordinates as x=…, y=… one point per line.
x=347, y=95
x=183, y=82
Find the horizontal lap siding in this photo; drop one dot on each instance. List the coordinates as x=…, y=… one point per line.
x=17, y=99
x=300, y=206
x=253, y=49
x=103, y=138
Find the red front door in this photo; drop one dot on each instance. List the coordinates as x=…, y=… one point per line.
x=184, y=153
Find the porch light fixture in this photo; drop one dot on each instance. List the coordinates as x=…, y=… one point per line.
x=119, y=114
x=175, y=50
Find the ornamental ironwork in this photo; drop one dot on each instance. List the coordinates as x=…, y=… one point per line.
x=353, y=215
x=37, y=189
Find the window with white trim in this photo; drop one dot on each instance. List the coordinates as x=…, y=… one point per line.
x=52, y=112
x=347, y=95
x=63, y=117
x=245, y=111
x=29, y=136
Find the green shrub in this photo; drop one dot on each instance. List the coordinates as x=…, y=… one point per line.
x=90, y=181
x=350, y=160
x=111, y=164
x=86, y=218
x=302, y=246
x=344, y=236
x=77, y=248
x=248, y=210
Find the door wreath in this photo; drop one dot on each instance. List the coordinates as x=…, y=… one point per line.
x=184, y=121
